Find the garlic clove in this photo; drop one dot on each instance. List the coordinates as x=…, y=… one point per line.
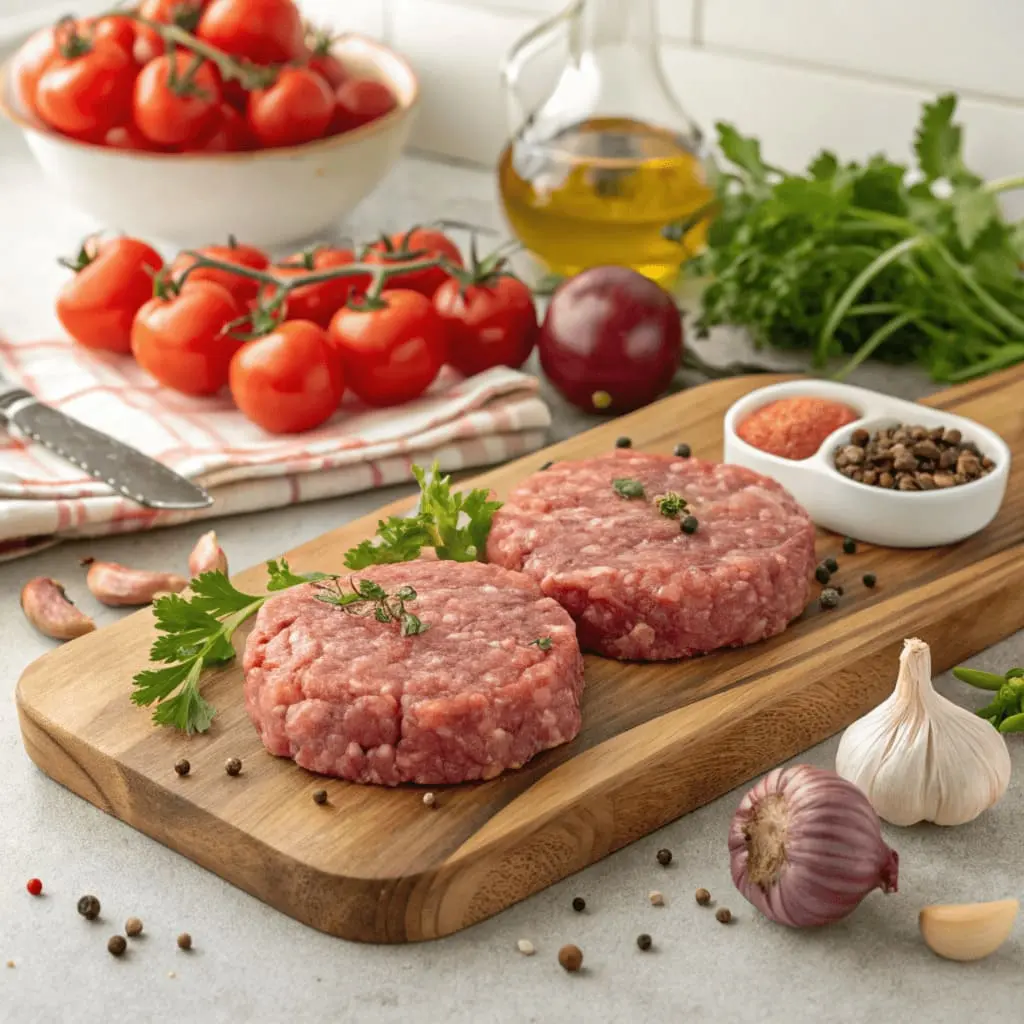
x=967, y=931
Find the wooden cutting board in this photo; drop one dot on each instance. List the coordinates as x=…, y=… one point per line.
x=658, y=740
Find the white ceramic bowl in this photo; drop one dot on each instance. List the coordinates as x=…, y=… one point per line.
x=898, y=519
x=267, y=197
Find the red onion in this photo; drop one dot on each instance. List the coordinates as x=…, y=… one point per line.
x=807, y=847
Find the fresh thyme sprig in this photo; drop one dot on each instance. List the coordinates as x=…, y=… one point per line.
x=366, y=597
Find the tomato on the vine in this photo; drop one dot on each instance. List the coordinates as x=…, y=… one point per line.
x=128, y=137
x=297, y=108
x=288, y=381
x=263, y=31
x=328, y=66
x=230, y=134
x=30, y=62
x=116, y=28
x=417, y=244
x=359, y=101
x=177, y=99
x=244, y=289
x=113, y=280
x=180, y=338
x=183, y=13
x=491, y=322
x=317, y=302
x=86, y=88
x=392, y=348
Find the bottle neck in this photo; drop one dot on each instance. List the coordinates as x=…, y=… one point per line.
x=618, y=22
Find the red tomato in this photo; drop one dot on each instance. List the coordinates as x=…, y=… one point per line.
x=183, y=13
x=113, y=279
x=229, y=135
x=493, y=323
x=326, y=64
x=288, y=381
x=117, y=29
x=359, y=101
x=418, y=244
x=264, y=31
x=181, y=341
x=127, y=136
x=297, y=108
x=88, y=94
x=318, y=302
x=30, y=62
x=393, y=353
x=176, y=111
x=244, y=289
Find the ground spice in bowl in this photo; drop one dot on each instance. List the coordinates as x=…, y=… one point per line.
x=794, y=428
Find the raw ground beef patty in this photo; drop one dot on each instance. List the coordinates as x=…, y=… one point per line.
x=637, y=586
x=347, y=695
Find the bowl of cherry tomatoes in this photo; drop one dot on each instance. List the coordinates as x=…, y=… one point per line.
x=186, y=119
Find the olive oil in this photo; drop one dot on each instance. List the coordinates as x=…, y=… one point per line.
x=602, y=192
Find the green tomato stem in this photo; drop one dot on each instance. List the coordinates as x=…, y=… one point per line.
x=998, y=185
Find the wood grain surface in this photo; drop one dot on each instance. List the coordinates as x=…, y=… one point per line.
x=658, y=740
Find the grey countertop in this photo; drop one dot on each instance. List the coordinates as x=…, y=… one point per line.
x=252, y=964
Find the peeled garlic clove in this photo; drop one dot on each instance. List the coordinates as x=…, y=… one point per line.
x=920, y=757
x=118, y=585
x=967, y=931
x=207, y=556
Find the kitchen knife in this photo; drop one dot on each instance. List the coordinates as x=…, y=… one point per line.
x=127, y=470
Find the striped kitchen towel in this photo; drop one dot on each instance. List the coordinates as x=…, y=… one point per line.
x=490, y=418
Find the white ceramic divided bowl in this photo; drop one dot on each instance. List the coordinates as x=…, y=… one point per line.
x=266, y=197
x=899, y=519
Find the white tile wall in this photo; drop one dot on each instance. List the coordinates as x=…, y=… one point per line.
x=801, y=74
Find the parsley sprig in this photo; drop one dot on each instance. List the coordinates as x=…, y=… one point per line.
x=196, y=629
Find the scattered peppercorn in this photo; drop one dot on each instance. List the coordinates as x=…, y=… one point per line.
x=644, y=941
x=429, y=800
x=829, y=598
x=821, y=574
x=116, y=945
x=132, y=927
x=319, y=796
x=870, y=579
x=571, y=958
x=689, y=524
x=233, y=766
x=831, y=564
x=10, y=963
x=682, y=450
x=89, y=907
x=656, y=898
x=703, y=897
x=579, y=904
x=34, y=886
x=547, y=465
x=723, y=915
x=849, y=546
x=664, y=857
x=185, y=941
x=623, y=442
x=182, y=767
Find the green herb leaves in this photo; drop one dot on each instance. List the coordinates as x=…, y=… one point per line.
x=368, y=598
x=853, y=260
x=670, y=504
x=626, y=488
x=542, y=642
x=455, y=525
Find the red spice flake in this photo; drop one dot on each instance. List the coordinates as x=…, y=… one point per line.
x=34, y=886
x=794, y=428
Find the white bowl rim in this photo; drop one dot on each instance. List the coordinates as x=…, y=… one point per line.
x=408, y=99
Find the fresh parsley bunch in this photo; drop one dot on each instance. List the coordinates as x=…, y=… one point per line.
x=871, y=259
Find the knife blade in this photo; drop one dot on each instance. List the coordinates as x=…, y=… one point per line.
x=125, y=469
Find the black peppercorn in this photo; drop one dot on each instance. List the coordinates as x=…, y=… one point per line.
x=89, y=907
x=644, y=941
x=703, y=897
x=116, y=945
x=233, y=766
x=870, y=579
x=829, y=598
x=623, y=442
x=182, y=767
x=579, y=904
x=319, y=796
x=682, y=450
x=821, y=574
x=185, y=941
x=723, y=915
x=664, y=857
x=831, y=564
x=689, y=524
x=849, y=546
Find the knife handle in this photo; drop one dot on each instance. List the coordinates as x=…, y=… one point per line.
x=12, y=396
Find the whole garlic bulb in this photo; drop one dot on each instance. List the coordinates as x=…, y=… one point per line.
x=920, y=757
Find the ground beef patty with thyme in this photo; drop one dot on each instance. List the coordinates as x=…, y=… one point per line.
x=347, y=695
x=638, y=586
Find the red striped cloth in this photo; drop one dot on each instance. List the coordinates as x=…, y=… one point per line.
x=462, y=423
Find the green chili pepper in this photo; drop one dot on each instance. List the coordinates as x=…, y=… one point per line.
x=1015, y=723
x=990, y=711
x=982, y=680
x=1015, y=673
